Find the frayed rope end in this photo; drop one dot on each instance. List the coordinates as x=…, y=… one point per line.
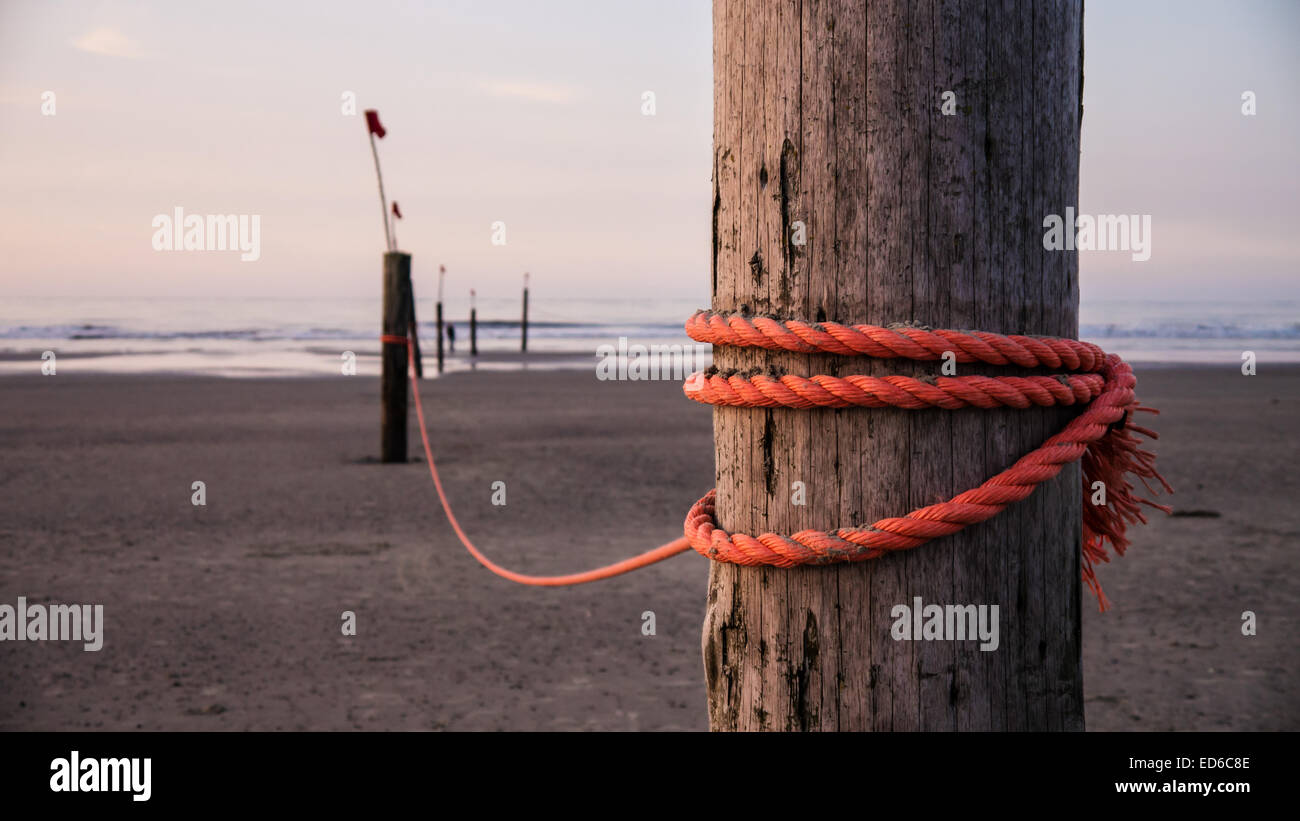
x=1109, y=461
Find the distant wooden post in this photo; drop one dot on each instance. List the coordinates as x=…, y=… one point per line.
x=473, y=324
x=844, y=192
x=416, y=357
x=523, y=326
x=442, y=271
x=439, y=337
x=397, y=290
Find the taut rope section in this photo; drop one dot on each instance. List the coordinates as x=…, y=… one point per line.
x=1103, y=436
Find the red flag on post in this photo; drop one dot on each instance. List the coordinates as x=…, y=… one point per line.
x=397, y=212
x=374, y=128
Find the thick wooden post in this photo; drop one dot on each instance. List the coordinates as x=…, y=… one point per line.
x=473, y=331
x=829, y=129
x=392, y=389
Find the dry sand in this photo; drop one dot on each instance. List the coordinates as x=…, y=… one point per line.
x=228, y=616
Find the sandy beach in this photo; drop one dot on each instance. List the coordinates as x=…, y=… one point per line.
x=227, y=616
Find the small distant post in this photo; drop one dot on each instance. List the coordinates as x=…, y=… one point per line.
x=397, y=290
x=473, y=324
x=523, y=326
x=414, y=326
x=439, y=337
x=442, y=271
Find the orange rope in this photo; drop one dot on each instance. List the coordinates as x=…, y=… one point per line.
x=893, y=391
x=898, y=341
x=1102, y=436
x=618, y=568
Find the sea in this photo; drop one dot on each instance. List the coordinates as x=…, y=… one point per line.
x=305, y=337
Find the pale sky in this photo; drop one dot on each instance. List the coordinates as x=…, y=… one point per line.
x=530, y=113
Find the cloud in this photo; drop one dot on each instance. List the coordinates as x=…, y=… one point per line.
x=108, y=43
x=537, y=92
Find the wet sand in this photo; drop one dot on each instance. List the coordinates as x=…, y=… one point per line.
x=228, y=616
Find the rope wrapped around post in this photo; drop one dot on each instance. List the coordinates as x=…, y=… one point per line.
x=1103, y=435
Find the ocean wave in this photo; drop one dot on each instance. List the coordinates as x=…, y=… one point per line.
x=486, y=328
x=1190, y=330
x=1228, y=328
